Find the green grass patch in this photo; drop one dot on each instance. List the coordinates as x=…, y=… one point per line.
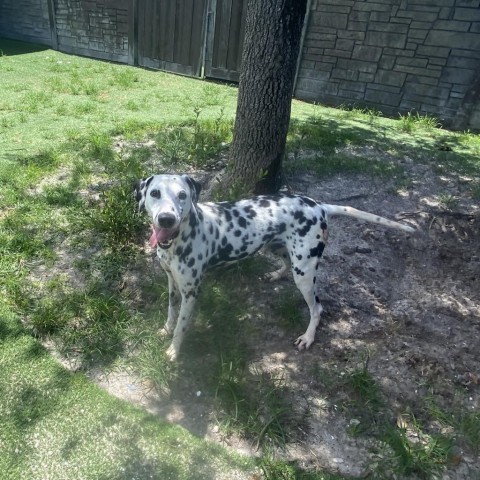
x=74, y=135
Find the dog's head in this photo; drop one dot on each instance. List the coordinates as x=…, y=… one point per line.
x=168, y=199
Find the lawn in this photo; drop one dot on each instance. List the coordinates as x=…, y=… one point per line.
x=74, y=134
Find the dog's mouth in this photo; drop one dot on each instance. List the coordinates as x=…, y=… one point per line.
x=163, y=237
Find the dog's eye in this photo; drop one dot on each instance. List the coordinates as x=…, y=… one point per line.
x=182, y=195
x=155, y=193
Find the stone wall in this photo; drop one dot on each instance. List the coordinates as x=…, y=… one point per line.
x=26, y=20
x=395, y=56
x=392, y=55
x=94, y=28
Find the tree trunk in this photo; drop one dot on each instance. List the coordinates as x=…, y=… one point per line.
x=272, y=41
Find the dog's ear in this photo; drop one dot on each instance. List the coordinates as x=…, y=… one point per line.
x=140, y=191
x=195, y=187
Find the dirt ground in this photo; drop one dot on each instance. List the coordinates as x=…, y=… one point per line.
x=411, y=301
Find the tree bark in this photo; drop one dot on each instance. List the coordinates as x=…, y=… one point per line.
x=272, y=40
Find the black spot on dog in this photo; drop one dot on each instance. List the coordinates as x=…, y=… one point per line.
x=309, y=202
x=242, y=222
x=299, y=216
x=186, y=252
x=251, y=213
x=299, y=257
x=237, y=233
x=194, y=273
x=317, y=299
x=224, y=241
x=178, y=250
x=318, y=250
x=323, y=225
x=191, y=263
x=299, y=272
x=264, y=203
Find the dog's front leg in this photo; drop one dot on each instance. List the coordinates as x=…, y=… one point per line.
x=184, y=317
x=174, y=298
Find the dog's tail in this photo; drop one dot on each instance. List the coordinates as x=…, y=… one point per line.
x=368, y=217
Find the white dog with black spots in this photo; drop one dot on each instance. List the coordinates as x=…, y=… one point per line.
x=191, y=237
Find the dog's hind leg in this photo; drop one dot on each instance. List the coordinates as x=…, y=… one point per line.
x=306, y=281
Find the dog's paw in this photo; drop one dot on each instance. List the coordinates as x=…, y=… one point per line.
x=164, y=332
x=172, y=353
x=303, y=342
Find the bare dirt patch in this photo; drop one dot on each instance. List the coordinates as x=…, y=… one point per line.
x=407, y=306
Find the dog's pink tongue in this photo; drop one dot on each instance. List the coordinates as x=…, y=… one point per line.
x=159, y=235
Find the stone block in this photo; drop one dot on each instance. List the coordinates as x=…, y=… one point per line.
x=467, y=14
x=384, y=88
x=333, y=8
x=437, y=61
x=421, y=25
x=425, y=91
x=318, y=87
x=405, y=20
x=387, y=62
x=418, y=16
x=466, y=53
x=452, y=25
x=382, y=98
x=344, y=74
x=475, y=28
x=463, y=62
x=315, y=45
x=344, y=44
x=385, y=39
x=441, y=52
x=461, y=76
x=357, y=65
x=338, y=53
x=439, y=38
x=332, y=20
x=370, y=54
x=414, y=62
x=352, y=86
x=314, y=74
x=357, y=26
x=323, y=66
x=445, y=13
x=388, y=27
x=357, y=16
x=350, y=95
x=372, y=6
x=366, y=77
x=387, y=77
x=358, y=36
x=348, y=3
x=418, y=35
x=414, y=78
x=425, y=72
x=379, y=16
x=432, y=3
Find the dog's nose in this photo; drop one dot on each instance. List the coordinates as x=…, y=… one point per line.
x=166, y=220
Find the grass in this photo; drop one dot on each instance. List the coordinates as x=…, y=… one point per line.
x=70, y=265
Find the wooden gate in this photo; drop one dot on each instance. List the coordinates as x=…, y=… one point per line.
x=171, y=35
x=225, y=34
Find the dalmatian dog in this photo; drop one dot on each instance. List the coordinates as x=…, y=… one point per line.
x=191, y=237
